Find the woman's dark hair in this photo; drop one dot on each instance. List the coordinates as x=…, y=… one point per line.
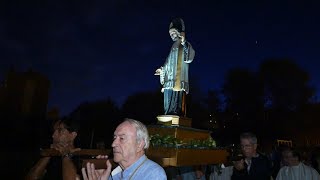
x=70, y=124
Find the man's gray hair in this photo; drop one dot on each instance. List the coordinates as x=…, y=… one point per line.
x=142, y=132
x=248, y=135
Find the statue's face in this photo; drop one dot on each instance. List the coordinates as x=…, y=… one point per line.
x=174, y=34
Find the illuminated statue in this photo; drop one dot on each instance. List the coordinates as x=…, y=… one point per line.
x=174, y=72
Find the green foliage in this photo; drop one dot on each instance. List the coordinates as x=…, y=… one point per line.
x=157, y=140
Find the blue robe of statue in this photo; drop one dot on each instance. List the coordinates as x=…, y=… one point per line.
x=174, y=77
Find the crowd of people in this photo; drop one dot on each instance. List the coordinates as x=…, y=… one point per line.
x=130, y=142
x=284, y=163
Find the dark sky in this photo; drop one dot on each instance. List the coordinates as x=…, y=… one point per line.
x=100, y=48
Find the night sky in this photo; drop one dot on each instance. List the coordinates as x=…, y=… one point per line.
x=100, y=48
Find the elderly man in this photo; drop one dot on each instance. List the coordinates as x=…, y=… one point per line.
x=254, y=166
x=294, y=169
x=131, y=139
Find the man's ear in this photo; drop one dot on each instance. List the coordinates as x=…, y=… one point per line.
x=255, y=146
x=141, y=146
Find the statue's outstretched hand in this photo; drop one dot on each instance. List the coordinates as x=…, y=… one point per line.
x=158, y=71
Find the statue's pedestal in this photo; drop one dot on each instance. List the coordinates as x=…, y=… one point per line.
x=180, y=128
x=184, y=156
x=173, y=120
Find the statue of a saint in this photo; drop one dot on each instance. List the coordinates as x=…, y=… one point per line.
x=174, y=72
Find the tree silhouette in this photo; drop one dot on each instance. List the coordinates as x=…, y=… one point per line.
x=244, y=99
x=285, y=84
x=198, y=112
x=214, y=108
x=97, y=122
x=286, y=92
x=213, y=101
x=143, y=106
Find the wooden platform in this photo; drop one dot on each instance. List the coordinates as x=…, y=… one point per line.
x=186, y=157
x=167, y=156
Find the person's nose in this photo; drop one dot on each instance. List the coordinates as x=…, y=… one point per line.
x=114, y=143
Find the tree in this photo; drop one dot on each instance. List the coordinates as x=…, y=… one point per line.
x=97, y=122
x=243, y=98
x=285, y=84
x=214, y=108
x=213, y=101
x=286, y=92
x=143, y=106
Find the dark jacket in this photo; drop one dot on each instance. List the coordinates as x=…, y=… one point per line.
x=260, y=169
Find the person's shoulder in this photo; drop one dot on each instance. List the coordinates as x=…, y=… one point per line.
x=282, y=172
x=153, y=164
x=152, y=170
x=284, y=168
x=314, y=171
x=263, y=157
x=264, y=161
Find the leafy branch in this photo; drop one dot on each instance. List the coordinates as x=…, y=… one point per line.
x=157, y=140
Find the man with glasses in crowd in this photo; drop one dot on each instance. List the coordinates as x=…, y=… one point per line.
x=253, y=166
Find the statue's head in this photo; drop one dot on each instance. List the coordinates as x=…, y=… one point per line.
x=178, y=24
x=176, y=29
